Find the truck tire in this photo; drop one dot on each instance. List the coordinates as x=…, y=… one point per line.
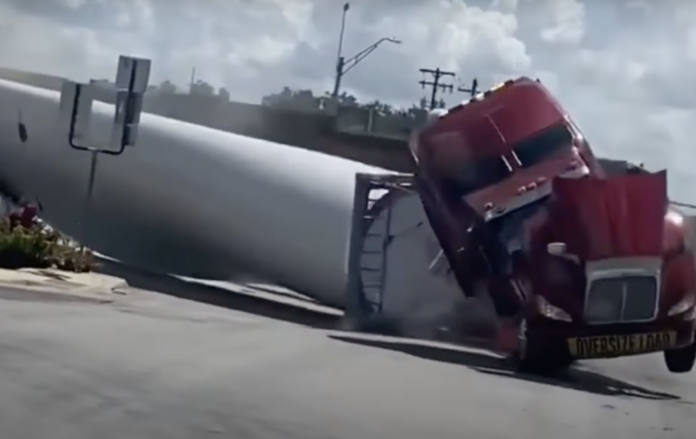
x=537, y=358
x=543, y=364
x=681, y=360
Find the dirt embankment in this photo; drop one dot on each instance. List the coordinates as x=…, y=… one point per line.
x=315, y=131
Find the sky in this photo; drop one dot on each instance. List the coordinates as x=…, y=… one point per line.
x=624, y=69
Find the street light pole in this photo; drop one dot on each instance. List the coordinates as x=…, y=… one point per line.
x=339, y=54
x=343, y=65
x=339, y=75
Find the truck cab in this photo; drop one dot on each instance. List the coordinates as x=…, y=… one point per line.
x=611, y=274
x=490, y=157
x=584, y=263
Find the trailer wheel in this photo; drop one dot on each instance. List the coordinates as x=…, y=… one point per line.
x=681, y=360
x=378, y=324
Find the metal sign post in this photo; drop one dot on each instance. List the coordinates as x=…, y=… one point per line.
x=132, y=76
x=87, y=213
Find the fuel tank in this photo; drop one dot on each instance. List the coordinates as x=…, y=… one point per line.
x=187, y=199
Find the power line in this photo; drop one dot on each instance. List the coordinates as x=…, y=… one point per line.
x=473, y=90
x=435, y=83
x=680, y=204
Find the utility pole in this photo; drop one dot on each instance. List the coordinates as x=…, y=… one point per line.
x=435, y=83
x=472, y=91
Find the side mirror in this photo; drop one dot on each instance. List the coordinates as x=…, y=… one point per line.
x=556, y=248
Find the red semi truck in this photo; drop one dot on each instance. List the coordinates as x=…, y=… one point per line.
x=579, y=261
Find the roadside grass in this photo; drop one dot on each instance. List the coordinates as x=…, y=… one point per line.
x=39, y=246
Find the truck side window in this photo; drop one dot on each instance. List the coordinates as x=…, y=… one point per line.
x=543, y=145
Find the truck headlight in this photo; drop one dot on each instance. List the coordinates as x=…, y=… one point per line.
x=552, y=311
x=684, y=305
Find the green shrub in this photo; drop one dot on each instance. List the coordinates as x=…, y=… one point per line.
x=37, y=247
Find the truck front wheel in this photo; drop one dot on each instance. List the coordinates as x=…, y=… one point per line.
x=548, y=364
x=538, y=357
x=681, y=360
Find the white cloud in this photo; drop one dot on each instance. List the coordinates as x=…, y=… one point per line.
x=624, y=69
x=568, y=22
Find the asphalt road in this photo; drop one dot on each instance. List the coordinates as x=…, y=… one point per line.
x=157, y=367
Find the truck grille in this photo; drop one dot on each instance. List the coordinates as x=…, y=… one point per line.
x=621, y=299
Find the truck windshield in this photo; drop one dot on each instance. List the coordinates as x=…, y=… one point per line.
x=481, y=173
x=541, y=146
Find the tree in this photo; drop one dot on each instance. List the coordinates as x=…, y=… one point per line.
x=423, y=103
x=345, y=100
x=302, y=100
x=202, y=88
x=380, y=107
x=384, y=117
x=224, y=94
x=167, y=87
